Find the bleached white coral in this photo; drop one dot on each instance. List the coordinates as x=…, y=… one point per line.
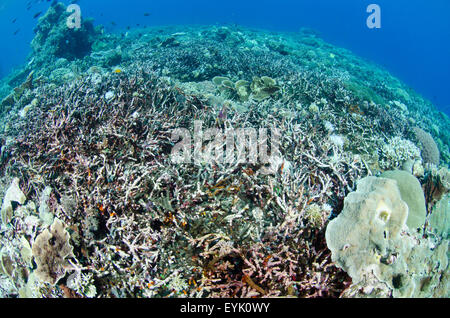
x=327, y=209
x=396, y=151
x=328, y=126
x=177, y=283
x=83, y=284
x=337, y=140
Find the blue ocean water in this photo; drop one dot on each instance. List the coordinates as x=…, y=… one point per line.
x=412, y=43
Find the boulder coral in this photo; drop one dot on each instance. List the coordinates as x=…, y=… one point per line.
x=371, y=242
x=410, y=192
x=373, y=215
x=430, y=151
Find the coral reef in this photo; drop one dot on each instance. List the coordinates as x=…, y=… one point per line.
x=87, y=134
x=54, y=39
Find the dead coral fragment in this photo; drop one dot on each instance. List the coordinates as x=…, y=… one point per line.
x=51, y=250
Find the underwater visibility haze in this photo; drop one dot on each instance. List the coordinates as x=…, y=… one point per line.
x=208, y=149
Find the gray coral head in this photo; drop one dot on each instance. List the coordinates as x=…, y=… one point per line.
x=372, y=216
x=430, y=151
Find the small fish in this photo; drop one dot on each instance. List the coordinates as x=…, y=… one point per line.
x=282, y=167
x=37, y=14
x=14, y=21
x=17, y=31
x=146, y=14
